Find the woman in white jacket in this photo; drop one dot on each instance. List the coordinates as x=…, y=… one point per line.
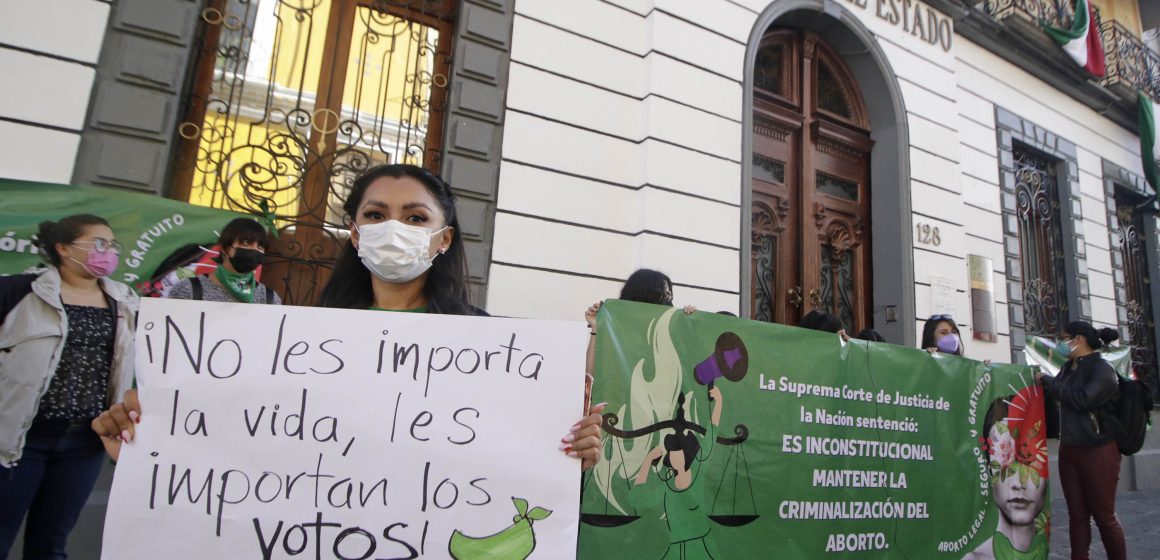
x=66, y=354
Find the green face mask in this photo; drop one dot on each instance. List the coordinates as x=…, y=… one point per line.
x=239, y=285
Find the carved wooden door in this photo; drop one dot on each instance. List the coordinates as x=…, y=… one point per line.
x=811, y=184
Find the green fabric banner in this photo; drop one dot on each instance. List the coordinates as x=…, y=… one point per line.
x=727, y=438
x=1040, y=352
x=150, y=227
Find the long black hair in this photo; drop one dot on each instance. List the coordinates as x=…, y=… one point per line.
x=647, y=286
x=931, y=325
x=821, y=321
x=684, y=441
x=64, y=231
x=1096, y=339
x=446, y=288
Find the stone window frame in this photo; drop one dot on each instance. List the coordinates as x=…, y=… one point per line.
x=144, y=58
x=1011, y=129
x=1113, y=176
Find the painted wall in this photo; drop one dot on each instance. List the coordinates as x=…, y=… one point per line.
x=623, y=150
x=48, y=56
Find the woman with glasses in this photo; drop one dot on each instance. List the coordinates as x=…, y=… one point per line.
x=1089, y=459
x=66, y=336
x=941, y=334
x=243, y=243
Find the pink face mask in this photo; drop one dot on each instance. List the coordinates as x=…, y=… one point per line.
x=100, y=264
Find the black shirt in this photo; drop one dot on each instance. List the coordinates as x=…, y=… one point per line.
x=79, y=389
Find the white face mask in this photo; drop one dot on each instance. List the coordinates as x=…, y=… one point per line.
x=394, y=251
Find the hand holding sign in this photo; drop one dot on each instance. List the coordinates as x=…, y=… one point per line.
x=117, y=425
x=383, y=436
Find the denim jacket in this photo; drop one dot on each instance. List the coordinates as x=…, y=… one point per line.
x=32, y=339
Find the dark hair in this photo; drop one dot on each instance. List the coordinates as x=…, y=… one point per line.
x=246, y=230
x=821, y=321
x=931, y=325
x=1096, y=339
x=65, y=231
x=727, y=313
x=647, y=286
x=446, y=288
x=684, y=441
x=871, y=335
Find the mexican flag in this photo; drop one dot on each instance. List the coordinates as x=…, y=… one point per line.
x=1081, y=41
x=1149, y=148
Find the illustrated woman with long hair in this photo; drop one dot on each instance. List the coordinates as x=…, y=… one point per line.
x=677, y=462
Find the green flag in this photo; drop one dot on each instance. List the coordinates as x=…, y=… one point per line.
x=1149, y=151
x=150, y=227
x=726, y=438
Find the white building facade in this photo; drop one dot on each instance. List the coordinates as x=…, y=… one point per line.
x=885, y=160
x=590, y=138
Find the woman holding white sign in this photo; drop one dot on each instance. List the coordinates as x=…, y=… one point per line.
x=405, y=254
x=67, y=337
x=405, y=251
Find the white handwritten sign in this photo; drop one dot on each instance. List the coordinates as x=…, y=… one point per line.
x=282, y=432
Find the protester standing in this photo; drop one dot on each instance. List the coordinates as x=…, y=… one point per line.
x=243, y=244
x=67, y=336
x=1089, y=459
x=405, y=253
x=644, y=286
x=940, y=333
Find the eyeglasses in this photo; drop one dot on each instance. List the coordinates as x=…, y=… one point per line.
x=102, y=245
x=941, y=318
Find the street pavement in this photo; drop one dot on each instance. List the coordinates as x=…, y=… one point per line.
x=1139, y=513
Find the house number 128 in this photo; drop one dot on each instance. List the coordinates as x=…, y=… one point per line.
x=928, y=235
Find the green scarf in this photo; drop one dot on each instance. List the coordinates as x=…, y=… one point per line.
x=1004, y=551
x=239, y=285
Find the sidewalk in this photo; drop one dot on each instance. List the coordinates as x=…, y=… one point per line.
x=1138, y=512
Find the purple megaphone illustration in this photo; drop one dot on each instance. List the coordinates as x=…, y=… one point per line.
x=729, y=359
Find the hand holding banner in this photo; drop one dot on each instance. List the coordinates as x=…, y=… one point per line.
x=805, y=447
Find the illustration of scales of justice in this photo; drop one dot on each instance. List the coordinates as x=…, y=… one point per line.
x=730, y=360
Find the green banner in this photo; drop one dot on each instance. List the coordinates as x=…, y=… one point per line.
x=150, y=227
x=727, y=438
x=1040, y=352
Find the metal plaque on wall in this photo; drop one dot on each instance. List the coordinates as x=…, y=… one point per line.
x=982, y=297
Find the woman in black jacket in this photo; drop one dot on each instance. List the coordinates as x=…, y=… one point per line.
x=1089, y=460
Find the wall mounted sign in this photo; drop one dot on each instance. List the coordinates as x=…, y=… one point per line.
x=915, y=18
x=982, y=297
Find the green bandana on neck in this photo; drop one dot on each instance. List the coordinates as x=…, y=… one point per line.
x=239, y=285
x=1003, y=550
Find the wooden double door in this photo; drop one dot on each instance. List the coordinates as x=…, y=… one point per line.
x=811, y=184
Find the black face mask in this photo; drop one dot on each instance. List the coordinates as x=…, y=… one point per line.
x=246, y=260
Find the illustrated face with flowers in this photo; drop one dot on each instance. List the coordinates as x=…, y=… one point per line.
x=1017, y=450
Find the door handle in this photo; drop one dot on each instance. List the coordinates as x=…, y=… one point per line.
x=795, y=296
